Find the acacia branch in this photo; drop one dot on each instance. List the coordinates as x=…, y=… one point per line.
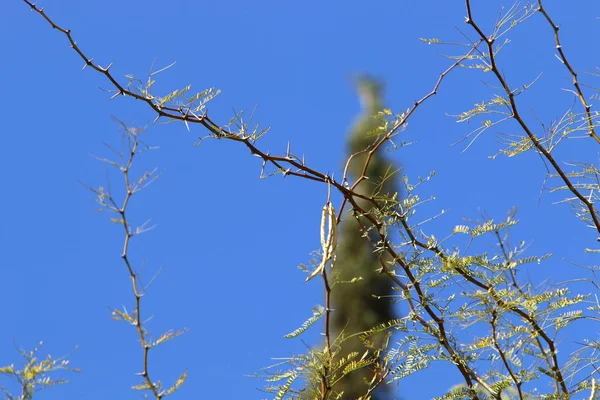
x=514, y=378
x=489, y=41
x=439, y=330
x=121, y=210
x=282, y=163
x=350, y=195
x=537, y=330
x=379, y=141
x=325, y=385
x=587, y=107
x=513, y=278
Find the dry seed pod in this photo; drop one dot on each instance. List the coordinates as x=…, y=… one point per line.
x=328, y=240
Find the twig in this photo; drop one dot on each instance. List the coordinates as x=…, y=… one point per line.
x=587, y=107
x=517, y=116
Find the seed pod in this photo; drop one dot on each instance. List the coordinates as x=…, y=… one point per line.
x=328, y=239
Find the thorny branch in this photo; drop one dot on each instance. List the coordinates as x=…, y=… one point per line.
x=489, y=41
x=106, y=199
x=277, y=161
x=379, y=141
x=563, y=58
x=439, y=331
x=500, y=351
x=516, y=286
x=350, y=195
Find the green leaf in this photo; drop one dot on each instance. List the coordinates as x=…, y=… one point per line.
x=143, y=386
x=285, y=388
x=318, y=312
x=167, y=336
x=177, y=384
x=9, y=369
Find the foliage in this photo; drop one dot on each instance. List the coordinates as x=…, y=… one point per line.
x=131, y=148
x=35, y=375
x=469, y=306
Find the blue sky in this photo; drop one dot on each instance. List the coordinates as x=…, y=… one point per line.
x=229, y=242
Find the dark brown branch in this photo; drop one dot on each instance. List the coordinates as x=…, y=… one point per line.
x=325, y=386
x=350, y=194
x=381, y=140
x=438, y=331
x=278, y=162
x=139, y=323
x=514, y=378
x=507, y=261
x=537, y=329
x=563, y=57
x=516, y=115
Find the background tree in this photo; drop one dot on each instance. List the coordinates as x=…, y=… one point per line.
x=362, y=296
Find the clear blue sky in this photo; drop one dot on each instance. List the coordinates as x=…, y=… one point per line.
x=229, y=242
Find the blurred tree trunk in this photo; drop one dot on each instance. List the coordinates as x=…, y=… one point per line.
x=365, y=303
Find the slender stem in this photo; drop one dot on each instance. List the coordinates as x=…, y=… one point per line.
x=517, y=117
x=325, y=386
x=514, y=378
x=139, y=325
x=350, y=195
x=587, y=107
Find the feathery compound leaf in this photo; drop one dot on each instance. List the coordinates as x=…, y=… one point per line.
x=566, y=302
x=563, y=320
x=356, y=365
x=318, y=312
x=430, y=40
x=175, y=94
x=122, y=316
x=344, y=360
x=461, y=229
x=398, y=324
x=480, y=344
x=280, y=376
x=177, y=384
x=142, y=386
x=489, y=226
x=206, y=99
x=167, y=336
x=199, y=95
x=531, y=259
x=285, y=388
x=9, y=369
x=460, y=392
